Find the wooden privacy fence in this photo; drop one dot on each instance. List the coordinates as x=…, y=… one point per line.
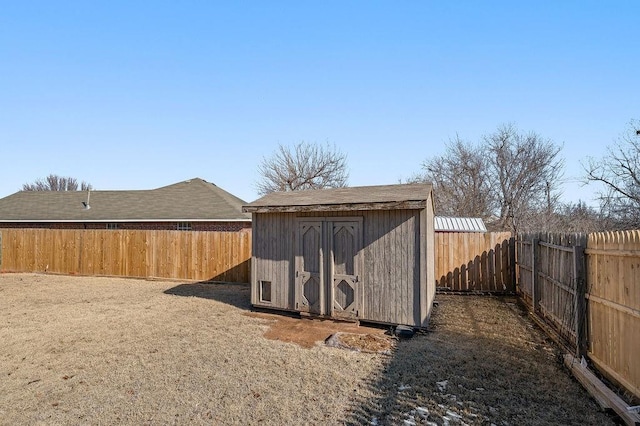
x=613, y=296
x=587, y=287
x=551, y=280
x=474, y=261
x=190, y=255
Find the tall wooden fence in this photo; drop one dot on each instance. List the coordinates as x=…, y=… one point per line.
x=587, y=287
x=190, y=255
x=551, y=279
x=474, y=261
x=613, y=283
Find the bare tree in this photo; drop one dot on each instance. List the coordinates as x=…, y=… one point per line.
x=461, y=181
x=305, y=166
x=619, y=173
x=565, y=218
x=510, y=179
x=526, y=171
x=56, y=183
x=580, y=217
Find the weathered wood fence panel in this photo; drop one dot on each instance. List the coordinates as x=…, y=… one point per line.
x=613, y=282
x=525, y=268
x=590, y=296
x=473, y=261
x=192, y=255
x=547, y=271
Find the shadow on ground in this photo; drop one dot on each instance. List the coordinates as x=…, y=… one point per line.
x=238, y=295
x=483, y=362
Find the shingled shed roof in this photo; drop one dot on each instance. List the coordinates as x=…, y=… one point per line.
x=382, y=197
x=190, y=200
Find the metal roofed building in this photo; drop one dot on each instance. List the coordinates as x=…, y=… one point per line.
x=459, y=224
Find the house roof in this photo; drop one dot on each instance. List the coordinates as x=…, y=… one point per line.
x=190, y=200
x=383, y=197
x=459, y=224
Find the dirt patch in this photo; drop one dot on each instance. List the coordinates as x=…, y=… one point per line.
x=309, y=332
x=78, y=350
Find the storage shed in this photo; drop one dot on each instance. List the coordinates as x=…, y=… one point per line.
x=362, y=253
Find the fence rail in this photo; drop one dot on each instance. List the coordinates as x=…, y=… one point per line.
x=191, y=255
x=472, y=261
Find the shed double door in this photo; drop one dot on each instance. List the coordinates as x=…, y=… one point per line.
x=327, y=267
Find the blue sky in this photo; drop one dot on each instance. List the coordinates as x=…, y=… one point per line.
x=138, y=95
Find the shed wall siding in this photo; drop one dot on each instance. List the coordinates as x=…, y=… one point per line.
x=273, y=253
x=431, y=257
x=392, y=269
x=391, y=259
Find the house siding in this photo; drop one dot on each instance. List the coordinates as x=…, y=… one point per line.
x=169, y=226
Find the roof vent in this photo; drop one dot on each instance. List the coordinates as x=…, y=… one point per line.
x=85, y=204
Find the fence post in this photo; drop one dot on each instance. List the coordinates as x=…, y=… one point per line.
x=512, y=264
x=580, y=307
x=516, y=264
x=535, y=291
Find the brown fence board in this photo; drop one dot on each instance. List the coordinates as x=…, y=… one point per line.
x=473, y=261
x=192, y=255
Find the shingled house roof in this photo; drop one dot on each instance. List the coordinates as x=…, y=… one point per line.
x=190, y=200
x=351, y=198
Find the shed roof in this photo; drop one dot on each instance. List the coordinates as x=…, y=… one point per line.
x=381, y=197
x=190, y=200
x=459, y=224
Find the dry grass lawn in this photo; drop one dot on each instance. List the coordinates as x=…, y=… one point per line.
x=79, y=350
